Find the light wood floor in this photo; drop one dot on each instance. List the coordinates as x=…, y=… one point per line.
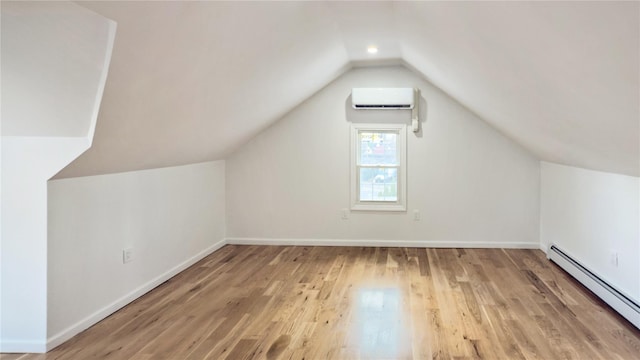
x=246, y=302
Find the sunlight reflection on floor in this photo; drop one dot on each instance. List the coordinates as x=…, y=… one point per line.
x=379, y=324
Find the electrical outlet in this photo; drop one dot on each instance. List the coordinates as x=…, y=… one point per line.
x=613, y=258
x=345, y=214
x=127, y=255
x=416, y=215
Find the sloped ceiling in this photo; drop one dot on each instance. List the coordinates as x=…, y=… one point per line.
x=192, y=81
x=53, y=55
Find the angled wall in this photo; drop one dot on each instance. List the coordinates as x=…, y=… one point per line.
x=471, y=185
x=55, y=58
x=594, y=217
x=170, y=218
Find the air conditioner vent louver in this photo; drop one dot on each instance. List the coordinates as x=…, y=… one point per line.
x=390, y=106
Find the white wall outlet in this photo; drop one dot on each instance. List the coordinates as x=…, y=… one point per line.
x=416, y=215
x=345, y=214
x=127, y=255
x=613, y=258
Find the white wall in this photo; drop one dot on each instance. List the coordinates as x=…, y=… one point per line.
x=473, y=186
x=171, y=217
x=591, y=214
x=27, y=163
x=55, y=58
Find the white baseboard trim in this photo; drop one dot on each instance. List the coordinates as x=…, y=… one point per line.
x=92, y=319
x=383, y=243
x=17, y=346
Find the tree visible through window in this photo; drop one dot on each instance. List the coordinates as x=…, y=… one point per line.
x=378, y=172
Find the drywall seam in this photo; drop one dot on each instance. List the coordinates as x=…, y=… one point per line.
x=97, y=316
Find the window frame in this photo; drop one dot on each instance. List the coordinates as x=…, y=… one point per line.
x=401, y=149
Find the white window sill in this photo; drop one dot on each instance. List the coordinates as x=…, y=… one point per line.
x=379, y=207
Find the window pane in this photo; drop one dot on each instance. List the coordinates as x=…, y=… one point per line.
x=378, y=184
x=378, y=148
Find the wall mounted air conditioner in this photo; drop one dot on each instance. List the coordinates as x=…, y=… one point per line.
x=388, y=98
x=382, y=98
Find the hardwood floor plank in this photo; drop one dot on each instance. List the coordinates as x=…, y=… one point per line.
x=282, y=302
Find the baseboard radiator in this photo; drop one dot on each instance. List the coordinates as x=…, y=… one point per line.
x=619, y=301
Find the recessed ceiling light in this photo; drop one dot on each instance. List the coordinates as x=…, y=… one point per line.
x=372, y=49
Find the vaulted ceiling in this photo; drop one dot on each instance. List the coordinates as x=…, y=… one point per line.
x=192, y=81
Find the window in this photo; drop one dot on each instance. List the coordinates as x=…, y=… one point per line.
x=378, y=167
